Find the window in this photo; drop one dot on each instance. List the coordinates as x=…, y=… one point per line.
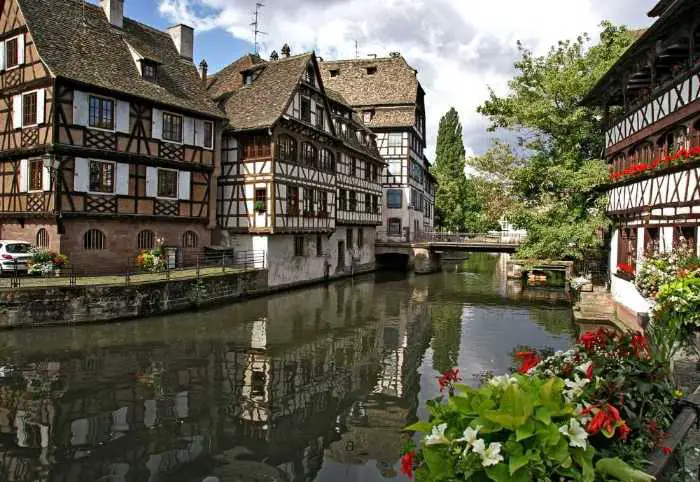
x=172, y=127
x=149, y=70
x=12, y=53
x=352, y=203
x=257, y=147
x=94, y=240
x=393, y=226
x=395, y=139
x=368, y=203
x=287, y=148
x=208, y=134
x=189, y=239
x=310, y=154
x=42, y=238
x=247, y=78
x=36, y=175
x=298, y=245
x=360, y=238
x=368, y=171
x=308, y=202
x=375, y=204
x=292, y=200
x=101, y=113
x=375, y=172
x=323, y=203
x=146, y=239
x=348, y=238
x=261, y=200
x=102, y=177
x=334, y=72
x=414, y=199
x=342, y=200
x=310, y=76
x=319, y=117
x=394, y=198
x=367, y=116
x=305, y=109
x=353, y=170
x=327, y=160
x=167, y=183
x=319, y=245
x=29, y=108
x=371, y=70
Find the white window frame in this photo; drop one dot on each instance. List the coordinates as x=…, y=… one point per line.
x=115, y=106
x=177, y=184
x=162, y=127
x=394, y=135
x=20, y=56
x=114, y=181
x=35, y=91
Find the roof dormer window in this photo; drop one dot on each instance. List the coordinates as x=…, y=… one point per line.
x=149, y=70
x=247, y=78
x=367, y=116
x=334, y=72
x=371, y=70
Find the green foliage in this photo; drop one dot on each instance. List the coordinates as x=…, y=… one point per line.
x=152, y=260
x=562, y=142
x=659, y=269
x=514, y=428
x=44, y=261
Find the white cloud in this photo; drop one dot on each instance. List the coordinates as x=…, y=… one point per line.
x=460, y=47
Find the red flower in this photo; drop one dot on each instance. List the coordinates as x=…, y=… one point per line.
x=623, y=431
x=448, y=378
x=594, y=339
x=589, y=372
x=667, y=450
x=639, y=345
x=625, y=268
x=606, y=418
x=407, y=464
x=529, y=360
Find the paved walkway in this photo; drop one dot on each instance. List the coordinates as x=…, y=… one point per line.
x=687, y=374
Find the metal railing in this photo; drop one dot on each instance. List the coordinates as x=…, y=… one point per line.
x=183, y=268
x=494, y=237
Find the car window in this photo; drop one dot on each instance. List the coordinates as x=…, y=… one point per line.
x=18, y=248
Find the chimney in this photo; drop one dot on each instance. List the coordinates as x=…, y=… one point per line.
x=274, y=55
x=183, y=37
x=286, y=51
x=203, y=67
x=114, y=9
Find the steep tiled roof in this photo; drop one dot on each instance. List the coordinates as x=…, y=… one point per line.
x=230, y=78
x=660, y=7
x=394, y=82
x=262, y=103
x=77, y=42
x=393, y=117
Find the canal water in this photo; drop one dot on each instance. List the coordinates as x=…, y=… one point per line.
x=310, y=385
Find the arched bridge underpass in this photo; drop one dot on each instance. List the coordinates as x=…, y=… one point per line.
x=422, y=251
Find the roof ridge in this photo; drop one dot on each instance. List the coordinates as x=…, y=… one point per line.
x=125, y=18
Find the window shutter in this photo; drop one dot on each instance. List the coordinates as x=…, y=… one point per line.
x=122, y=116
x=151, y=181
x=122, y=179
x=183, y=189
x=81, y=181
x=45, y=176
x=188, y=128
x=23, y=180
x=17, y=111
x=40, y=106
x=80, y=108
x=199, y=133
x=2, y=56
x=20, y=49
x=157, y=124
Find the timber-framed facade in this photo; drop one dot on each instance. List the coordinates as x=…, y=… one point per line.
x=109, y=142
x=651, y=99
x=388, y=97
x=300, y=172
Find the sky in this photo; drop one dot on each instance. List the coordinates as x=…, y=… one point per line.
x=459, y=47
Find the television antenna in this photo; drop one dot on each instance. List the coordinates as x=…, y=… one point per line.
x=256, y=25
x=357, y=51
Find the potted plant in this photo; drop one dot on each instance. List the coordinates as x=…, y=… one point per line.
x=45, y=262
x=152, y=260
x=259, y=207
x=625, y=271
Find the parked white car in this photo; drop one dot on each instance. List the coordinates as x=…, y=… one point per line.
x=14, y=253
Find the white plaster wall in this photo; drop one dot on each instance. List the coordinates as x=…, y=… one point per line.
x=625, y=293
x=667, y=238
x=613, y=251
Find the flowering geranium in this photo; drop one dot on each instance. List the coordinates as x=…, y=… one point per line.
x=681, y=155
x=530, y=359
x=448, y=379
x=626, y=268
x=44, y=261
x=151, y=260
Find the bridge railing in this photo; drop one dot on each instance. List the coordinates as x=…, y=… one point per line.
x=393, y=236
x=494, y=237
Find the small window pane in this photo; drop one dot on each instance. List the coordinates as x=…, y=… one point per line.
x=102, y=177
x=189, y=239
x=42, y=238
x=208, y=135
x=101, y=113
x=167, y=183
x=94, y=240
x=393, y=198
x=11, y=53
x=172, y=127
x=29, y=108
x=146, y=239
x=36, y=175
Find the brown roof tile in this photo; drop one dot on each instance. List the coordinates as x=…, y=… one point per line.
x=77, y=42
x=230, y=78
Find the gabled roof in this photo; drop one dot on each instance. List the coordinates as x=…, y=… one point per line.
x=76, y=41
x=394, y=82
x=660, y=7
x=230, y=78
x=263, y=102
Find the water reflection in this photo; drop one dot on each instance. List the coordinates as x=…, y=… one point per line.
x=310, y=385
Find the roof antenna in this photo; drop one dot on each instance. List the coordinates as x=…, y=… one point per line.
x=255, y=25
x=357, y=51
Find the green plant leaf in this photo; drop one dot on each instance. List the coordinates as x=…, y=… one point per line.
x=419, y=426
x=516, y=462
x=617, y=468
x=438, y=463
x=499, y=473
x=525, y=431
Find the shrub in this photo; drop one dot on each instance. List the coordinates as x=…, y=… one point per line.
x=659, y=269
x=152, y=260
x=45, y=262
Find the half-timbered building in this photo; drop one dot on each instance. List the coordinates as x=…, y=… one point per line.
x=108, y=139
x=390, y=100
x=651, y=98
x=300, y=173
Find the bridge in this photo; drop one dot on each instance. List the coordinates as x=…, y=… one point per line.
x=424, y=248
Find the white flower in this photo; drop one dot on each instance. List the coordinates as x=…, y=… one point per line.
x=492, y=455
x=584, y=367
x=469, y=436
x=438, y=436
x=502, y=381
x=479, y=446
x=577, y=435
x=575, y=387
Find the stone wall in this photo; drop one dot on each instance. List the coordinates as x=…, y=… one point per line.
x=33, y=307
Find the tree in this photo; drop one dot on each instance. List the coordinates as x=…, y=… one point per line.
x=555, y=186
